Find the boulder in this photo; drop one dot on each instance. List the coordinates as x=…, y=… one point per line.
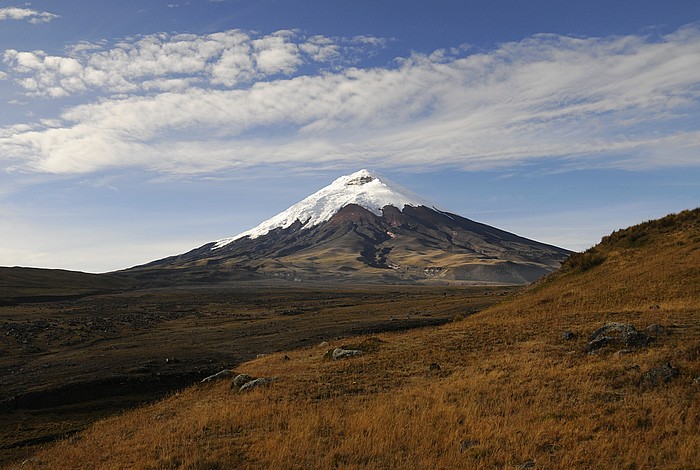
x=255, y=383
x=635, y=339
x=619, y=334
x=656, y=329
x=241, y=379
x=568, y=335
x=218, y=376
x=660, y=374
x=340, y=353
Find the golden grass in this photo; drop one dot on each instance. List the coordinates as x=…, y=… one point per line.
x=508, y=390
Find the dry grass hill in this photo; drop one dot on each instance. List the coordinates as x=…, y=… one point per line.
x=523, y=384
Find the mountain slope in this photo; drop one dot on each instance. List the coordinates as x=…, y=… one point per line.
x=363, y=227
x=502, y=388
x=363, y=188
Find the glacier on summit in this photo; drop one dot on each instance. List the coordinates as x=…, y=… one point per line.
x=364, y=188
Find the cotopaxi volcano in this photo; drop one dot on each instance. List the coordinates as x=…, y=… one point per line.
x=365, y=228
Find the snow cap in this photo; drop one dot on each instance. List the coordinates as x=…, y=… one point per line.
x=364, y=188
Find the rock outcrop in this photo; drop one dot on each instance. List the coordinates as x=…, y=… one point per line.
x=245, y=382
x=218, y=376
x=617, y=334
x=340, y=353
x=660, y=375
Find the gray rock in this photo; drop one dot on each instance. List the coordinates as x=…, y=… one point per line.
x=696, y=380
x=660, y=374
x=218, y=376
x=241, y=379
x=255, y=383
x=568, y=335
x=599, y=343
x=340, y=353
x=527, y=464
x=619, y=334
x=656, y=329
x=636, y=339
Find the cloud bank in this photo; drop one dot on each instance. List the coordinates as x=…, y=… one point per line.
x=188, y=104
x=33, y=16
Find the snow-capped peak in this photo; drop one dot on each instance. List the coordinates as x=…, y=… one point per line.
x=364, y=188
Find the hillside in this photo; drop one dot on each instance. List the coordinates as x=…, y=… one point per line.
x=34, y=285
x=523, y=384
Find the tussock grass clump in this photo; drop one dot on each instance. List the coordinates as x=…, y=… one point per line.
x=584, y=261
x=507, y=390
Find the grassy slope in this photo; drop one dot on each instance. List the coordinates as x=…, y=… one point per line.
x=509, y=388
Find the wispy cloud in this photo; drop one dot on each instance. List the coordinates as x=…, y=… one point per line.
x=32, y=16
x=200, y=104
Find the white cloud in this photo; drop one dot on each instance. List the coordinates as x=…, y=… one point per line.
x=230, y=58
x=83, y=47
x=323, y=49
x=275, y=54
x=621, y=102
x=33, y=16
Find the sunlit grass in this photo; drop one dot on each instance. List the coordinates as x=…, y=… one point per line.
x=508, y=389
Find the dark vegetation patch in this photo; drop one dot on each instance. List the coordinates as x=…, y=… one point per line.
x=584, y=261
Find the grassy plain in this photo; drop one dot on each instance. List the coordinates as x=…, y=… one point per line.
x=65, y=364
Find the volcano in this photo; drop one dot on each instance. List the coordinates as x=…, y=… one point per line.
x=364, y=228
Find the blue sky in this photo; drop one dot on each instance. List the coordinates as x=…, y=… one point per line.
x=134, y=130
